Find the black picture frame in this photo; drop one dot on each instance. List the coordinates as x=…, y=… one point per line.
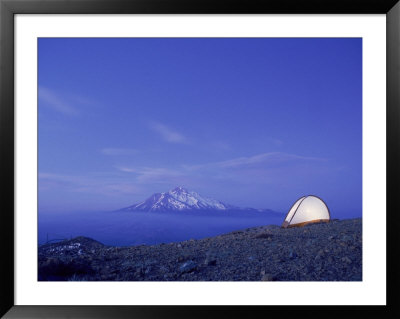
x=8, y=8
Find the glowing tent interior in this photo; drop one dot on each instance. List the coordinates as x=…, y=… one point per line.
x=306, y=210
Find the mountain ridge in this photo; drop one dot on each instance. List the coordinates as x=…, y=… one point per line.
x=180, y=199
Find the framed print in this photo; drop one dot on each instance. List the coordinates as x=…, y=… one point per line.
x=162, y=155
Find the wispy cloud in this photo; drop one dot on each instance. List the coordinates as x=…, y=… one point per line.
x=119, y=151
x=168, y=134
x=260, y=168
x=56, y=102
x=241, y=168
x=264, y=158
x=153, y=174
x=272, y=157
x=86, y=184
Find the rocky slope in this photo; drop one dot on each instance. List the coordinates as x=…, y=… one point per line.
x=317, y=252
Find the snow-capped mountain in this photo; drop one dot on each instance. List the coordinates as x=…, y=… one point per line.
x=180, y=199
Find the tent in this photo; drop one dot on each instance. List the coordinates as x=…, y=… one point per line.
x=306, y=210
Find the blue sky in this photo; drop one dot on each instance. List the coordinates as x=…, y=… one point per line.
x=252, y=122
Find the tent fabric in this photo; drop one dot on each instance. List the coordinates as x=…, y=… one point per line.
x=294, y=208
x=307, y=209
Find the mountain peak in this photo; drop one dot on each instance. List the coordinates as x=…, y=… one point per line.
x=178, y=189
x=178, y=199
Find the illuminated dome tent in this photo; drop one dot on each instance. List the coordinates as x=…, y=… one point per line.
x=306, y=210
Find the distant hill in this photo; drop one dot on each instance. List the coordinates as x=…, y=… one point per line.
x=180, y=199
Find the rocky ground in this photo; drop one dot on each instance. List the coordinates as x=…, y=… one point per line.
x=317, y=252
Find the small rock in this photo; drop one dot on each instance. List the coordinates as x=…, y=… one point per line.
x=319, y=255
x=211, y=258
x=188, y=266
x=211, y=262
x=346, y=238
x=168, y=277
x=138, y=271
x=265, y=235
x=268, y=277
x=163, y=269
x=292, y=254
x=310, y=242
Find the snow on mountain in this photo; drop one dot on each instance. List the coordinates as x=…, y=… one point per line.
x=178, y=199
